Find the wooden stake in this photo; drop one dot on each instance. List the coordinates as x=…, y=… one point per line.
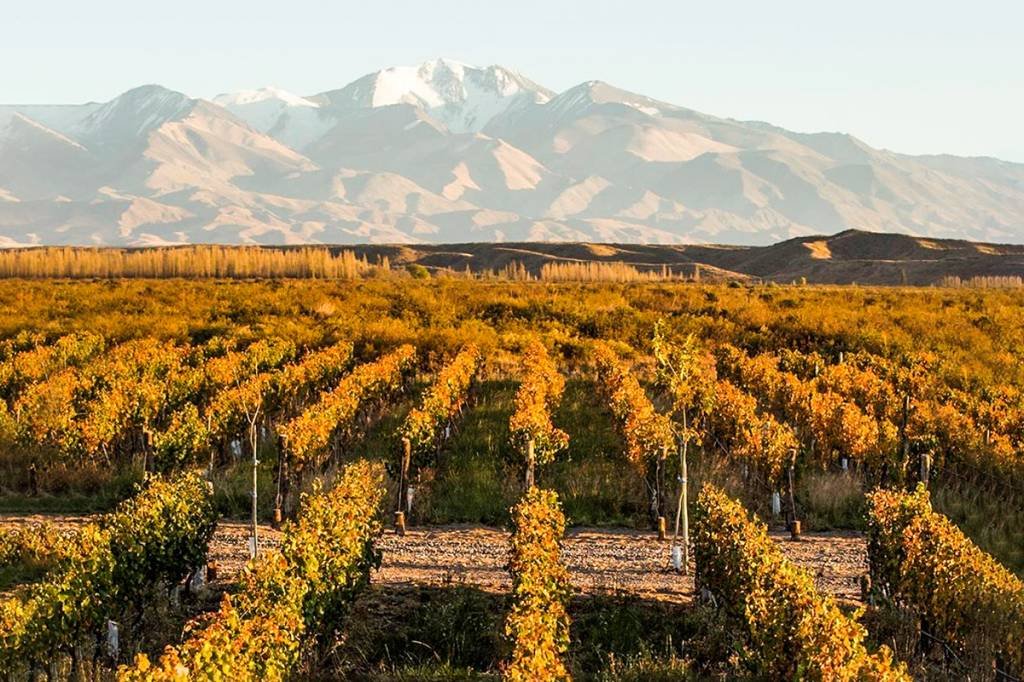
x=33, y=480
x=403, y=473
x=792, y=495
x=662, y=533
x=531, y=460
x=400, y=522
x=662, y=490
x=277, y=517
x=926, y=468
x=794, y=531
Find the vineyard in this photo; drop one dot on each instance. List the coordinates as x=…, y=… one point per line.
x=441, y=478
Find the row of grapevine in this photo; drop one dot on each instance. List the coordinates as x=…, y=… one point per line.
x=539, y=392
x=307, y=438
x=835, y=425
x=315, y=371
x=43, y=359
x=717, y=413
x=984, y=433
x=258, y=392
x=786, y=629
x=442, y=401
x=112, y=403
x=236, y=366
x=982, y=428
x=278, y=394
x=136, y=387
x=153, y=539
x=288, y=597
x=647, y=433
x=749, y=435
x=538, y=623
x=37, y=547
x=178, y=393
x=117, y=395
x=962, y=596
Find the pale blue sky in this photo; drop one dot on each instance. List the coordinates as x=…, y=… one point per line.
x=917, y=77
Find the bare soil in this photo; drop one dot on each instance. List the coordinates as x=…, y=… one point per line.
x=600, y=560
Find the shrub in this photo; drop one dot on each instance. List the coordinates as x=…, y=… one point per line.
x=922, y=561
x=788, y=631
x=538, y=623
x=288, y=596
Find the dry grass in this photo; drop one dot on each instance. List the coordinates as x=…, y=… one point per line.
x=832, y=499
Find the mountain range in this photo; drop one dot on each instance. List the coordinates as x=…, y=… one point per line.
x=444, y=152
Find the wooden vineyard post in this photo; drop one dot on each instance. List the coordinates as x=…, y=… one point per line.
x=403, y=484
x=865, y=589
x=904, y=441
x=531, y=460
x=661, y=502
x=794, y=524
x=926, y=468
x=278, y=516
x=33, y=480
x=792, y=494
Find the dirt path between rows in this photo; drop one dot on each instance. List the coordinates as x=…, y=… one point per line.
x=599, y=560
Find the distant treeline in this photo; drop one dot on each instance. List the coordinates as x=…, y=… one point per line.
x=307, y=262
x=598, y=271
x=988, y=282
x=231, y=262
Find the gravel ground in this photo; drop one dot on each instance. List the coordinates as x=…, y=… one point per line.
x=599, y=560
x=229, y=547
x=68, y=521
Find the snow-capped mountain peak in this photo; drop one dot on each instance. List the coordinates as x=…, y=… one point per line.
x=450, y=152
x=271, y=94
x=137, y=111
x=461, y=96
x=296, y=121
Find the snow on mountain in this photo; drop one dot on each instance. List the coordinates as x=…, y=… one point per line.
x=287, y=117
x=465, y=98
x=445, y=151
x=133, y=114
x=245, y=97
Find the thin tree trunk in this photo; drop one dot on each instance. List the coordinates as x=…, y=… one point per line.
x=682, y=513
x=253, y=442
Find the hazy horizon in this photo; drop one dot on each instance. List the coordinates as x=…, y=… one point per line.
x=913, y=78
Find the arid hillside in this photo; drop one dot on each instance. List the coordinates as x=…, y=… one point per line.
x=848, y=257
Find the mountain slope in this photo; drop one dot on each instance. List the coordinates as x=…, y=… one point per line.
x=444, y=151
x=849, y=257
